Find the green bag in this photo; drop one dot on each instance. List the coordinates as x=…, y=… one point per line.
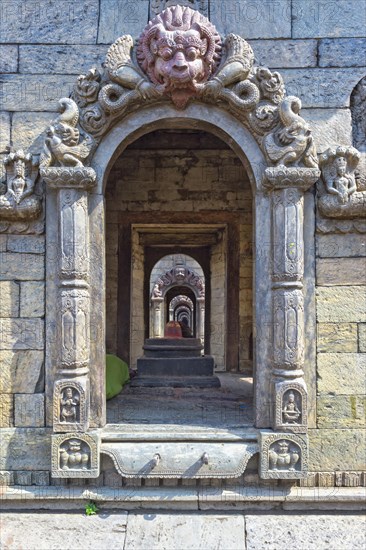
x=117, y=375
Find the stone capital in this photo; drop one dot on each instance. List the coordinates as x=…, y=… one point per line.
x=82, y=178
x=284, y=177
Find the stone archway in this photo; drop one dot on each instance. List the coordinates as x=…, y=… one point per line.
x=247, y=107
x=177, y=276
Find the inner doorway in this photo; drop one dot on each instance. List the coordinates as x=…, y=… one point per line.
x=181, y=193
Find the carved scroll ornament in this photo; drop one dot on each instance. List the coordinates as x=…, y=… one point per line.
x=180, y=57
x=20, y=200
x=179, y=275
x=339, y=192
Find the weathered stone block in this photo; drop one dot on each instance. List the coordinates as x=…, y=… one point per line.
x=341, y=411
x=325, y=88
x=337, y=337
x=3, y=243
x=29, y=410
x=6, y=478
x=28, y=131
x=9, y=299
x=23, y=478
x=60, y=59
x=341, y=271
x=342, y=52
x=32, y=299
x=341, y=246
x=23, y=267
x=33, y=244
x=362, y=337
x=340, y=304
x=21, y=334
x=337, y=449
x=118, y=17
x=341, y=373
x=21, y=371
x=312, y=18
x=252, y=18
x=4, y=131
x=25, y=449
x=34, y=93
x=285, y=53
x=8, y=58
x=49, y=21
x=6, y=411
x=329, y=126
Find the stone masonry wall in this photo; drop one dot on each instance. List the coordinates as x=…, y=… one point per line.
x=318, y=46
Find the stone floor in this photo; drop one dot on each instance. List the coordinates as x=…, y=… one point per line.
x=225, y=407
x=181, y=531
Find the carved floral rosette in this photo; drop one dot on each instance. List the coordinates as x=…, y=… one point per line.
x=75, y=455
x=283, y=455
x=71, y=405
x=291, y=411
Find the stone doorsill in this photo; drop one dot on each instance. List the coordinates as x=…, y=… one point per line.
x=178, y=498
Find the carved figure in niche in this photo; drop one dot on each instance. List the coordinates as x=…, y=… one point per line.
x=179, y=50
x=70, y=402
x=20, y=201
x=291, y=142
x=62, y=145
x=340, y=194
x=291, y=413
x=282, y=456
x=74, y=455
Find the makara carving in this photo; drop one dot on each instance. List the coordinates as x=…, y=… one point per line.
x=180, y=57
x=20, y=201
x=283, y=456
x=63, y=146
x=339, y=195
x=75, y=455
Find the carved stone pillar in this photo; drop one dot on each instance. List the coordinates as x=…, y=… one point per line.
x=157, y=305
x=71, y=385
x=288, y=186
x=201, y=319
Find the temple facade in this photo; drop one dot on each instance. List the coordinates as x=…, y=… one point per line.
x=200, y=165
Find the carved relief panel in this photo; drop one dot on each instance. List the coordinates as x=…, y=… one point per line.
x=290, y=407
x=70, y=405
x=75, y=455
x=73, y=208
x=20, y=194
x=74, y=328
x=283, y=456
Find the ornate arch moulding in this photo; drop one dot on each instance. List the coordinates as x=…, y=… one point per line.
x=180, y=66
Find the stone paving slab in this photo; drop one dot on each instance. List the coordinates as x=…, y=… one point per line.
x=181, y=531
x=306, y=532
x=67, y=531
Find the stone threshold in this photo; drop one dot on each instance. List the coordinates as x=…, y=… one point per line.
x=175, y=499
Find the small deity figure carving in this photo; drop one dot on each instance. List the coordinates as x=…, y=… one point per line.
x=69, y=405
x=291, y=412
x=179, y=50
x=74, y=455
x=340, y=193
x=282, y=457
x=291, y=143
x=62, y=145
x=20, y=201
x=343, y=184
